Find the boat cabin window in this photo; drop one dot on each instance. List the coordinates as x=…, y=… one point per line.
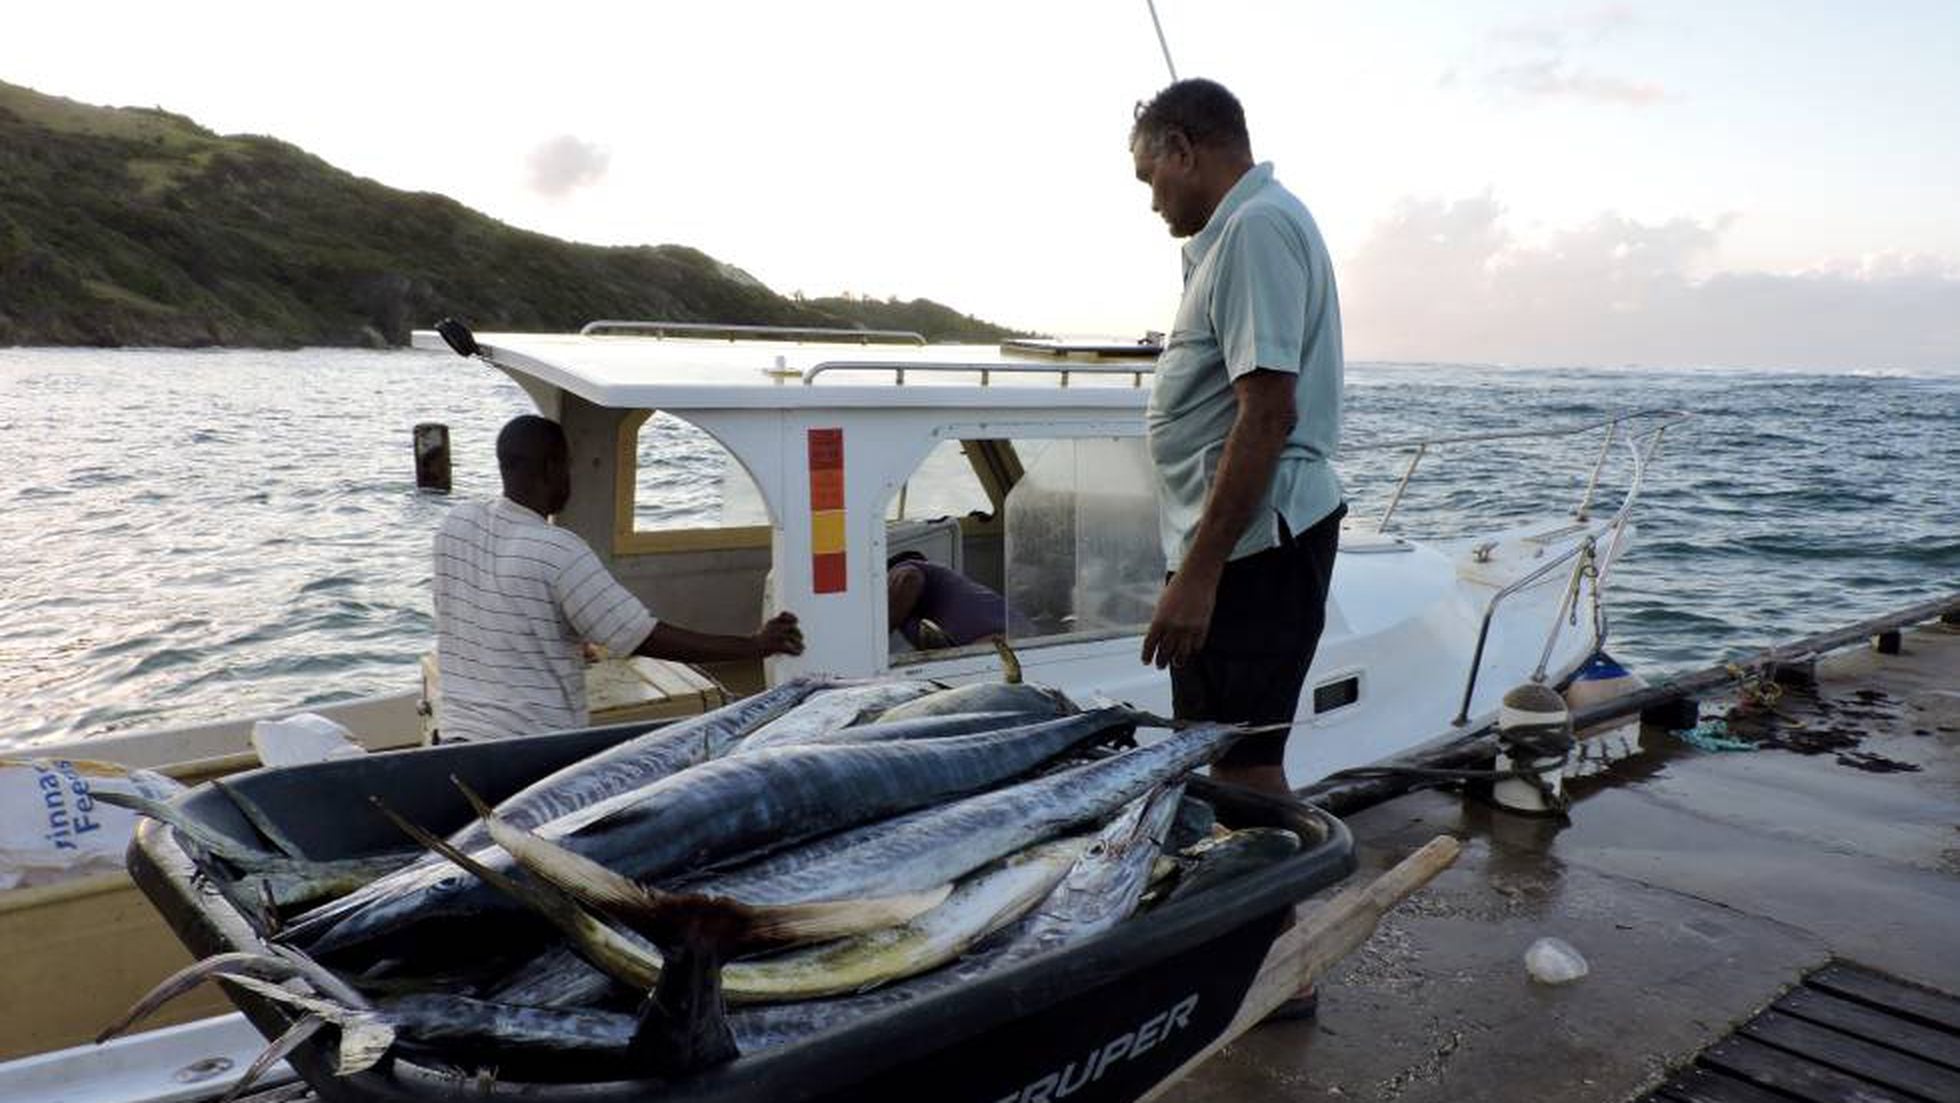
x=1072, y=547
x=683, y=479
x=944, y=485
x=1081, y=544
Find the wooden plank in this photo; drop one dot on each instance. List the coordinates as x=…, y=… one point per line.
x=1768, y=1067
x=1876, y=1063
x=1698, y=1085
x=1319, y=938
x=1873, y=1025
x=1922, y=1005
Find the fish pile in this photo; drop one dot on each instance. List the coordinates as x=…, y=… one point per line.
x=744, y=879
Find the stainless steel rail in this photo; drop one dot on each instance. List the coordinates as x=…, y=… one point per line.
x=986, y=371
x=1589, y=564
x=1422, y=445
x=733, y=332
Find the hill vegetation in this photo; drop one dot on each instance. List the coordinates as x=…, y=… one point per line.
x=136, y=226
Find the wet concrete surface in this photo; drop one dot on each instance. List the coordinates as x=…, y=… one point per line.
x=1698, y=886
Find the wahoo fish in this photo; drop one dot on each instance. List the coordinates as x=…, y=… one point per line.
x=945, y=842
x=725, y=807
x=924, y=727
x=639, y=761
x=834, y=709
x=1022, y=697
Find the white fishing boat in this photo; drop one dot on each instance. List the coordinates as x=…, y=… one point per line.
x=1022, y=467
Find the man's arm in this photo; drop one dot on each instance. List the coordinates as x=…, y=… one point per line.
x=1245, y=471
x=778, y=635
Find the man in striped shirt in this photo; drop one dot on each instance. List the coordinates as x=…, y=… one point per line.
x=517, y=598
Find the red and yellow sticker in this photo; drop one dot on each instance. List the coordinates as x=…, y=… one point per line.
x=827, y=572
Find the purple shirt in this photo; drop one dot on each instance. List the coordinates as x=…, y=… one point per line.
x=966, y=610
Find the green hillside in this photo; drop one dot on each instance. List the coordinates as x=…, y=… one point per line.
x=135, y=226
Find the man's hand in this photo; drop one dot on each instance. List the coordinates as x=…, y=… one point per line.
x=1182, y=620
x=779, y=635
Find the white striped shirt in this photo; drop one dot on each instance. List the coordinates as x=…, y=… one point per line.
x=515, y=598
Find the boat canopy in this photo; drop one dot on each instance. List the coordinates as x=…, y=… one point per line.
x=644, y=371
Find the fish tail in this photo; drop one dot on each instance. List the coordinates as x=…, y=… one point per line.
x=668, y=918
x=305, y=1027
x=683, y=1023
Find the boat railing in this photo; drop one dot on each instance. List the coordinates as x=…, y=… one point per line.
x=1661, y=419
x=734, y=332
x=1060, y=371
x=1641, y=432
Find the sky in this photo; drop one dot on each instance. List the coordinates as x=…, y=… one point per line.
x=1742, y=183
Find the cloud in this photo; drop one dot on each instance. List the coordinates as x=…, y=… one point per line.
x=1446, y=281
x=565, y=163
x=1538, y=62
x=1589, y=26
x=1545, y=78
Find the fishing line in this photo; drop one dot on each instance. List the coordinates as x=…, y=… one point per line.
x=1166, y=46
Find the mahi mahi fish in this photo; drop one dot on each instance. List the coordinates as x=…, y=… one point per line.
x=979, y=905
x=724, y=807
x=1100, y=890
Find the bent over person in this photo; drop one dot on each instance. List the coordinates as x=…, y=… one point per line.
x=1244, y=416
x=517, y=599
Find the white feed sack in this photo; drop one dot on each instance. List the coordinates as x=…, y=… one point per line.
x=52, y=826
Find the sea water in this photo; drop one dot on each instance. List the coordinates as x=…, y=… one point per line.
x=191, y=535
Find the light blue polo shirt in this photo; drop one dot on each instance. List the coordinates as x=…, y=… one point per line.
x=1258, y=293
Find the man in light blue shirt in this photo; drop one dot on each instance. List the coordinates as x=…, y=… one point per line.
x=1245, y=413
x=1244, y=418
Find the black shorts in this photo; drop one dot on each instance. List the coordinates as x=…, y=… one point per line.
x=1265, y=625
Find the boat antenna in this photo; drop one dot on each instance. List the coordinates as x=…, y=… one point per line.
x=1157, y=23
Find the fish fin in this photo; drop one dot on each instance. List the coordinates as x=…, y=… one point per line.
x=327, y=1009
x=363, y=1044
x=305, y=1027
x=1010, y=663
x=224, y=846
x=583, y=878
x=683, y=1023
x=256, y=816
x=794, y=923
x=364, y=1037
x=323, y=980
x=496, y=879
x=182, y=981
x=592, y=937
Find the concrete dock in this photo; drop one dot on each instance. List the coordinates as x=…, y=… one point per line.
x=1698, y=885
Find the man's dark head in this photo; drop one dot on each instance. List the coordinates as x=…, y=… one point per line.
x=1190, y=145
x=536, y=463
